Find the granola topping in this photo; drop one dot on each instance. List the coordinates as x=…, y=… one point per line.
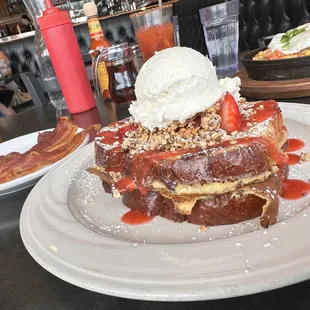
x=198, y=132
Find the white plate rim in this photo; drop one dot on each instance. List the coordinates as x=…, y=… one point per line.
x=296, y=268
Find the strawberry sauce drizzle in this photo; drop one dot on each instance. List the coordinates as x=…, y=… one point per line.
x=126, y=184
x=295, y=189
x=110, y=137
x=135, y=218
x=270, y=107
x=264, y=110
x=294, y=145
x=119, y=168
x=293, y=159
x=276, y=153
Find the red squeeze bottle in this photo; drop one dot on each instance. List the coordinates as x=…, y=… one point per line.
x=61, y=43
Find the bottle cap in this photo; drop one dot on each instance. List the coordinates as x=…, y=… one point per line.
x=90, y=9
x=53, y=17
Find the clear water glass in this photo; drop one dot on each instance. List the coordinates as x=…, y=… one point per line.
x=221, y=30
x=53, y=90
x=48, y=74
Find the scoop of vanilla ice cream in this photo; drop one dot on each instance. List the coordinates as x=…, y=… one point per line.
x=174, y=85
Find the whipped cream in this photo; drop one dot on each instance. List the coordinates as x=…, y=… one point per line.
x=297, y=43
x=232, y=86
x=174, y=85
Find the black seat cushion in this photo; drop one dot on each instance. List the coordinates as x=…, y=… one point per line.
x=258, y=18
x=191, y=31
x=21, y=52
x=261, y=18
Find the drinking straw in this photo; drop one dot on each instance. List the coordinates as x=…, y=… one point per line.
x=160, y=3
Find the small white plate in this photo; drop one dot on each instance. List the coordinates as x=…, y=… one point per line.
x=23, y=144
x=74, y=230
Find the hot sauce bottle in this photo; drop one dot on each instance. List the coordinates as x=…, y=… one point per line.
x=98, y=42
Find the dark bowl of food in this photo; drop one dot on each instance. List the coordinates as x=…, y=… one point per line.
x=276, y=69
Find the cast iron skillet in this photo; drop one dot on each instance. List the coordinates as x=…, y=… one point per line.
x=276, y=70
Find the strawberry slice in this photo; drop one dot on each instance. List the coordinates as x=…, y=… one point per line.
x=230, y=114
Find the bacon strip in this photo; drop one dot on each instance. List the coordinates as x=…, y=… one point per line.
x=51, y=147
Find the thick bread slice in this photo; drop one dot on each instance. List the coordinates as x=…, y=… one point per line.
x=211, y=165
x=215, y=170
x=246, y=156
x=260, y=199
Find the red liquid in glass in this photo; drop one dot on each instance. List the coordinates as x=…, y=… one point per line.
x=121, y=82
x=154, y=39
x=295, y=145
x=135, y=218
x=295, y=189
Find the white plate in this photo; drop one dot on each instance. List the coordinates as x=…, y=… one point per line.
x=23, y=144
x=73, y=229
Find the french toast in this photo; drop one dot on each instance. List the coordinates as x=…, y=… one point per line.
x=198, y=171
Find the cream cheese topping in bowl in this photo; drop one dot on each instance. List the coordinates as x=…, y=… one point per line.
x=288, y=43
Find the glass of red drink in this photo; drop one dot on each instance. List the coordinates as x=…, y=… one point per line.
x=154, y=30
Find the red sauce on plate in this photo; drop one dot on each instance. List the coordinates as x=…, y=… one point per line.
x=293, y=159
x=295, y=189
x=135, y=218
x=294, y=145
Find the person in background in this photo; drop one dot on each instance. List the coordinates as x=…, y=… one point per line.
x=10, y=94
x=5, y=58
x=6, y=97
x=26, y=24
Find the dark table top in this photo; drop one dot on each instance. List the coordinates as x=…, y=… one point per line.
x=26, y=285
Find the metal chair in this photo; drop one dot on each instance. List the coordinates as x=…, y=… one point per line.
x=34, y=89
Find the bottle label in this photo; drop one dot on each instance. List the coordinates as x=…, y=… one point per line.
x=95, y=29
x=103, y=77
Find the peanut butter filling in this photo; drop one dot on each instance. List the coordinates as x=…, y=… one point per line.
x=186, y=196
